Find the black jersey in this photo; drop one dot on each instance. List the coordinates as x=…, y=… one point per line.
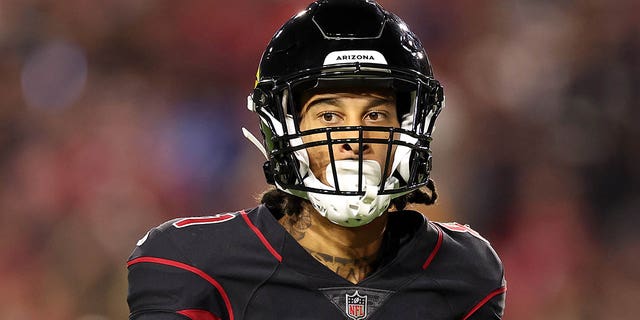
x=244, y=265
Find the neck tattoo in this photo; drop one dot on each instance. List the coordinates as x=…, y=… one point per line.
x=352, y=269
x=297, y=225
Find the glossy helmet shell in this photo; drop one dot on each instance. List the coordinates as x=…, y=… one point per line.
x=337, y=43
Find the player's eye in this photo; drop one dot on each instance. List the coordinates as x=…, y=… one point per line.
x=374, y=115
x=329, y=117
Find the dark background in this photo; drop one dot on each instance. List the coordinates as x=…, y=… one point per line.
x=116, y=115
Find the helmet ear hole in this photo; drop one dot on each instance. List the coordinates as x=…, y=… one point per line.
x=284, y=170
x=261, y=98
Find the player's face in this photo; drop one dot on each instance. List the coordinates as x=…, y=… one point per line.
x=347, y=109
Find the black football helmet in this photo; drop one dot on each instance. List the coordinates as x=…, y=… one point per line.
x=345, y=44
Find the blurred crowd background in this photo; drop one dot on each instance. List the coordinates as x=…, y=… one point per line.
x=117, y=115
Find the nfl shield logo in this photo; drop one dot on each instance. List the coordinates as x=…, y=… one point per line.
x=356, y=306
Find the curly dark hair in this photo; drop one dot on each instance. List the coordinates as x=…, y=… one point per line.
x=281, y=203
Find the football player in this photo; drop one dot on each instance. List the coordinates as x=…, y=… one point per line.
x=346, y=101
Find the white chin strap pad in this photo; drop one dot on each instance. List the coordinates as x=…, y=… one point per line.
x=350, y=211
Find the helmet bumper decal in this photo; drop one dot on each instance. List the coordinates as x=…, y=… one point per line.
x=350, y=56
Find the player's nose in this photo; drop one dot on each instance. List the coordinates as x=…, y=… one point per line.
x=353, y=150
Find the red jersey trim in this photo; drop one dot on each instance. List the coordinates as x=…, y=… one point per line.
x=435, y=250
x=195, y=314
x=262, y=238
x=485, y=300
x=192, y=269
x=186, y=222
